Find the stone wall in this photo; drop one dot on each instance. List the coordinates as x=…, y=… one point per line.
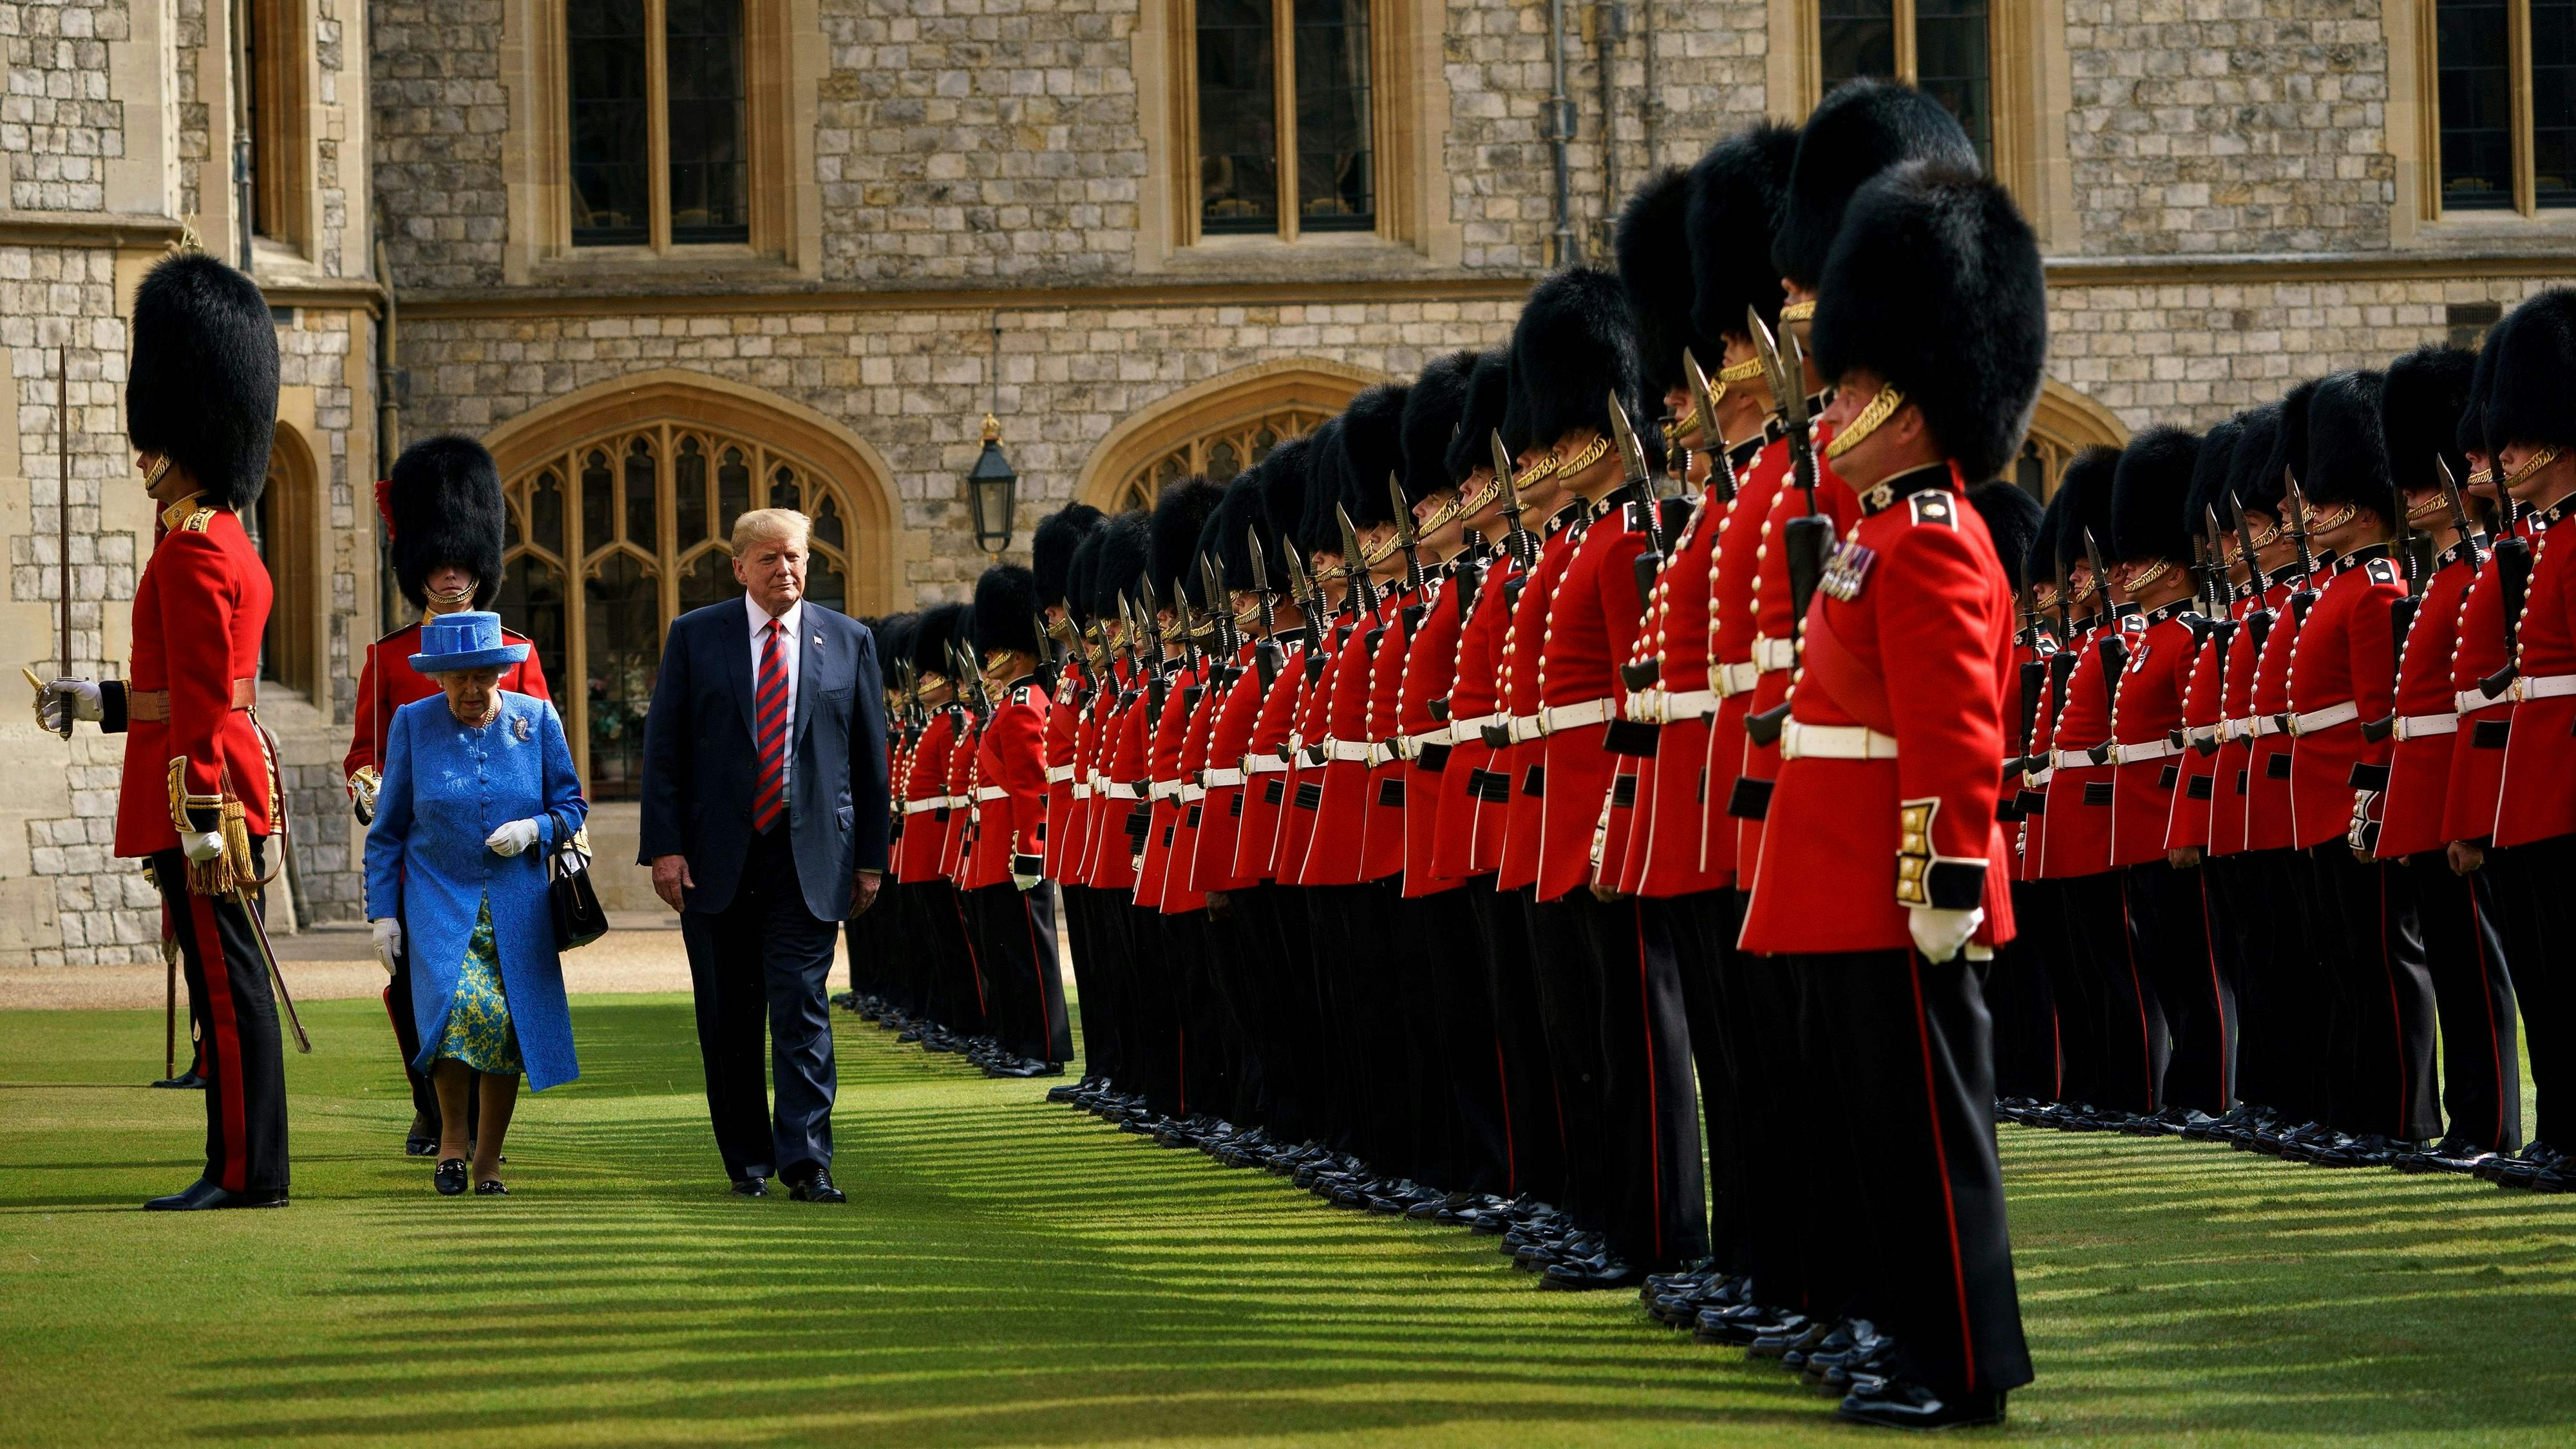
x=2258, y=125
x=439, y=117
x=58, y=125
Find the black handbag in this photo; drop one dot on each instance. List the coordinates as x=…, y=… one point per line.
x=579, y=920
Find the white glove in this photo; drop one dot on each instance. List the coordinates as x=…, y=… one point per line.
x=1939, y=934
x=1028, y=872
x=512, y=838
x=81, y=696
x=202, y=848
x=388, y=933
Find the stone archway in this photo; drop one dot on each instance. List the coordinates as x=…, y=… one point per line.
x=1217, y=427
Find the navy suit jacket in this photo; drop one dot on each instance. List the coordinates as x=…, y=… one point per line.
x=701, y=763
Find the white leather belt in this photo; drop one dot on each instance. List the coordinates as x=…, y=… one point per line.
x=2203, y=734
x=1834, y=742
x=1474, y=729
x=1736, y=678
x=2469, y=701
x=2544, y=686
x=957, y=802
x=2139, y=754
x=925, y=806
x=1081, y=791
x=2070, y=759
x=2424, y=726
x=1165, y=790
x=1646, y=704
x=1357, y=751
x=1193, y=792
x=2325, y=719
x=1058, y=774
x=990, y=792
x=1576, y=716
x=2264, y=724
x=2235, y=729
x=1219, y=779
x=2039, y=778
x=1382, y=752
x=1527, y=727
x=1690, y=704
x=1771, y=654
x=1413, y=745
x=1117, y=791
x=1263, y=764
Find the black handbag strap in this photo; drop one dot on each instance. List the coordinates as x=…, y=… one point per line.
x=564, y=846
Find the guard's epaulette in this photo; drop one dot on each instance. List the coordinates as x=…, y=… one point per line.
x=1638, y=515
x=2382, y=571
x=1934, y=505
x=196, y=522
x=1021, y=695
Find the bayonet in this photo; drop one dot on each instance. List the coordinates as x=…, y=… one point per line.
x=1303, y=587
x=2295, y=504
x=2460, y=522
x=1362, y=595
x=1632, y=452
x=1405, y=537
x=1522, y=543
x=1721, y=474
x=1786, y=373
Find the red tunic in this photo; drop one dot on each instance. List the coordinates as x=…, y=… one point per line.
x=1524, y=762
x=199, y=611
x=2268, y=821
x=1773, y=625
x=2229, y=807
x=1382, y=799
x=1334, y=838
x=1180, y=892
x=2203, y=706
x=1669, y=850
x=2347, y=656
x=925, y=800
x=2079, y=792
x=1181, y=694
x=1430, y=675
x=1067, y=802
x=1221, y=776
x=2537, y=797
x=1473, y=796
x=961, y=796
x=1734, y=623
x=1119, y=837
x=1266, y=776
x=2143, y=720
x=2427, y=730
x=2477, y=757
x=1592, y=626
x=1010, y=797
x=1920, y=651
x=2032, y=800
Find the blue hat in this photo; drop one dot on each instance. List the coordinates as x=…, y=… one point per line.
x=470, y=640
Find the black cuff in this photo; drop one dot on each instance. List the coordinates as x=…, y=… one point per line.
x=2368, y=777
x=1028, y=865
x=111, y=706
x=204, y=821
x=1956, y=885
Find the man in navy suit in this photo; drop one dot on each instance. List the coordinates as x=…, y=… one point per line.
x=765, y=826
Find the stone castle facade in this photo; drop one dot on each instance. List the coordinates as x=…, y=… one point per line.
x=945, y=207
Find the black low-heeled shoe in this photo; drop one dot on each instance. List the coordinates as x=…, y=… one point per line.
x=449, y=1179
x=419, y=1146
x=491, y=1187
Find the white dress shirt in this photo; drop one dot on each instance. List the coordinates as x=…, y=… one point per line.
x=789, y=648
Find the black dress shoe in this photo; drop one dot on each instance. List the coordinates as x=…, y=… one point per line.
x=204, y=1196
x=419, y=1146
x=754, y=1186
x=816, y=1186
x=449, y=1178
x=491, y=1187
x=187, y=1081
x=1898, y=1404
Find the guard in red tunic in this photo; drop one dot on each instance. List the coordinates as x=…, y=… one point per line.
x=1005, y=881
x=1884, y=865
x=2528, y=358
x=2017, y=986
x=194, y=799
x=1052, y=546
x=2150, y=549
x=2422, y=405
x=445, y=518
x=2379, y=1065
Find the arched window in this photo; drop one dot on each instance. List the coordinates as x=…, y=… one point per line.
x=1219, y=428
x=282, y=527
x=2065, y=423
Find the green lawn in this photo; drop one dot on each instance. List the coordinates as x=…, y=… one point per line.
x=1009, y=1272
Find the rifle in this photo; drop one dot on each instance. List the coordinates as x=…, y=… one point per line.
x=2295, y=504
x=1632, y=455
x=2460, y=521
x=1810, y=537
x=1359, y=595
x=2513, y=578
x=2115, y=650
x=1721, y=475
x=1265, y=655
x=1522, y=543
x=2258, y=620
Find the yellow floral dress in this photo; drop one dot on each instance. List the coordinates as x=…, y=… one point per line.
x=478, y=1015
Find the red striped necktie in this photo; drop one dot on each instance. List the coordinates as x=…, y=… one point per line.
x=769, y=717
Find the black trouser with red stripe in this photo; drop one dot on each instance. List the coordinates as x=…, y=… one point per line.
x=1912, y=1048
x=1703, y=927
x=1802, y=1204
x=2020, y=995
x=2531, y=889
x=2380, y=1048
x=234, y=1014
x=1533, y=1126
x=1024, y=987
x=2280, y=1041
x=2473, y=989
x=2194, y=980
x=2134, y=1041
x=1439, y=940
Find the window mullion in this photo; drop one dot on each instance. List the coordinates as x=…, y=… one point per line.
x=576, y=616
x=666, y=523
x=2518, y=68
x=1906, y=49
x=657, y=121
x=1283, y=51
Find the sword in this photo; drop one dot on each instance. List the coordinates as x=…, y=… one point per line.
x=240, y=897
x=1522, y=543
x=1363, y=594
x=1405, y=538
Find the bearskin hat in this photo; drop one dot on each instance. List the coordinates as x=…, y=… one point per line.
x=1432, y=412
x=1935, y=286
x=1489, y=398
x=1180, y=516
x=1238, y=514
x=894, y=642
x=2084, y=490
x=2347, y=453
x=201, y=386
x=940, y=626
x=2151, y=497
x=1317, y=529
x=2209, y=475
x=2289, y=452
x=1862, y=129
x=1006, y=611
x=1372, y=452
x=1737, y=190
x=1573, y=348
x=1078, y=574
x=2039, y=563
x=2250, y=474
x=1283, y=497
x=2012, y=521
x=1652, y=248
x=1118, y=564
x=443, y=506
x=1051, y=547
x=2422, y=398
x=2534, y=352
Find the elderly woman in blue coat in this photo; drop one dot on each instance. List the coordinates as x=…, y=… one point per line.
x=478, y=787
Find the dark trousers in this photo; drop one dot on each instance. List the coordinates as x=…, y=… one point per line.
x=1569, y=1012
x=2473, y=992
x=1236, y=959
x=1702, y=929
x=764, y=960
x=1801, y=1207
x=1911, y=1045
x=2380, y=1042
x=1204, y=1054
x=1073, y=915
x=2530, y=883
x=2027, y=1064
x=2280, y=1037
x=2194, y=981
x=234, y=1017
x=1414, y=1066
x=1151, y=1013
x=2134, y=1040
x=1368, y=1085
x=1533, y=1124
x=1440, y=942
x=1270, y=933
x=1015, y=944
x=2067, y=957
